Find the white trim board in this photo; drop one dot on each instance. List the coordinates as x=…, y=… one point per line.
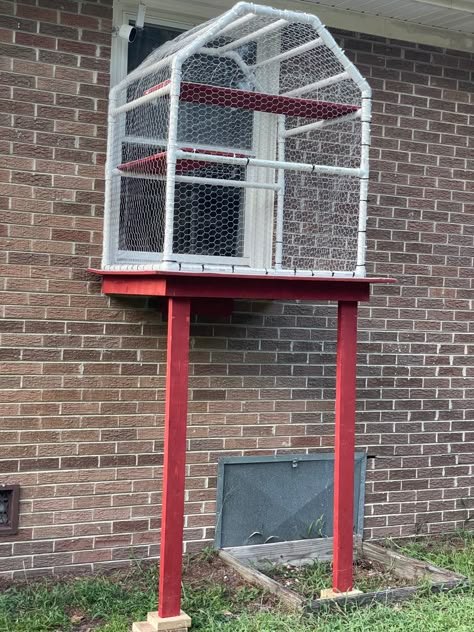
x=183, y=13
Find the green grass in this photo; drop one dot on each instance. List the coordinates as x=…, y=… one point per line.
x=110, y=603
x=455, y=553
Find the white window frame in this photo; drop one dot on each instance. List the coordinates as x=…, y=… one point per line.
x=258, y=203
x=124, y=11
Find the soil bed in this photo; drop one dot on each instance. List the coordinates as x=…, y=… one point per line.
x=308, y=580
x=202, y=572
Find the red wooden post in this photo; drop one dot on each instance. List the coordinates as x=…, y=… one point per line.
x=172, y=521
x=344, y=445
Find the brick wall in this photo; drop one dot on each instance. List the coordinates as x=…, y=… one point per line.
x=83, y=375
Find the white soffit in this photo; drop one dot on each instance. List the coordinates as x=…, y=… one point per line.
x=453, y=15
x=444, y=23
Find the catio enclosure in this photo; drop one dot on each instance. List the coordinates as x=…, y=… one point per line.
x=241, y=146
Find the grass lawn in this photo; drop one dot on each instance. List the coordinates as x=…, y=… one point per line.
x=218, y=601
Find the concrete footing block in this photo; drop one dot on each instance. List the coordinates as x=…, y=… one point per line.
x=155, y=623
x=329, y=593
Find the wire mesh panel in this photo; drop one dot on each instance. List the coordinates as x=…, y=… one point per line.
x=240, y=146
x=281, y=498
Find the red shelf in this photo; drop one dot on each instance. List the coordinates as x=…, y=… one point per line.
x=236, y=286
x=156, y=164
x=261, y=102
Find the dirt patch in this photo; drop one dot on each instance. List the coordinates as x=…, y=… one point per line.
x=210, y=570
x=198, y=570
x=371, y=573
x=81, y=622
x=203, y=572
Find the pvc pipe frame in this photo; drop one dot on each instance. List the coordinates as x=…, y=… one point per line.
x=364, y=182
x=228, y=183
x=172, y=148
x=146, y=98
x=303, y=48
x=109, y=168
x=254, y=35
x=175, y=87
x=323, y=83
x=272, y=164
x=281, y=193
x=238, y=12
x=321, y=124
x=243, y=184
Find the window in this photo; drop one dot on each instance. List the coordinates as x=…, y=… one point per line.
x=208, y=219
x=212, y=223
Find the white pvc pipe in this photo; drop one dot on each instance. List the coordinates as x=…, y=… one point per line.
x=239, y=10
x=175, y=86
x=364, y=182
x=109, y=169
x=237, y=23
x=348, y=66
x=272, y=164
x=227, y=183
x=289, y=16
x=298, y=50
x=322, y=83
x=145, y=140
x=254, y=35
x=141, y=72
x=146, y=98
x=321, y=124
x=161, y=142
x=140, y=176
x=281, y=194
x=197, y=180
x=198, y=41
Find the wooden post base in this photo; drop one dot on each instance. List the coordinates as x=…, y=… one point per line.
x=155, y=623
x=329, y=593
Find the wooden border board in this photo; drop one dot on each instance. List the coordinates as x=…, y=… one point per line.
x=247, y=560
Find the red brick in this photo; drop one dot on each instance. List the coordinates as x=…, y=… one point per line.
x=35, y=41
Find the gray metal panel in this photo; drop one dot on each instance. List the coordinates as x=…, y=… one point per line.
x=280, y=498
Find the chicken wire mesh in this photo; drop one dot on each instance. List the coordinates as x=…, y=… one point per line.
x=240, y=146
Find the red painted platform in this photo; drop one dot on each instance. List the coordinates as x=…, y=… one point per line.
x=236, y=286
x=258, y=101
